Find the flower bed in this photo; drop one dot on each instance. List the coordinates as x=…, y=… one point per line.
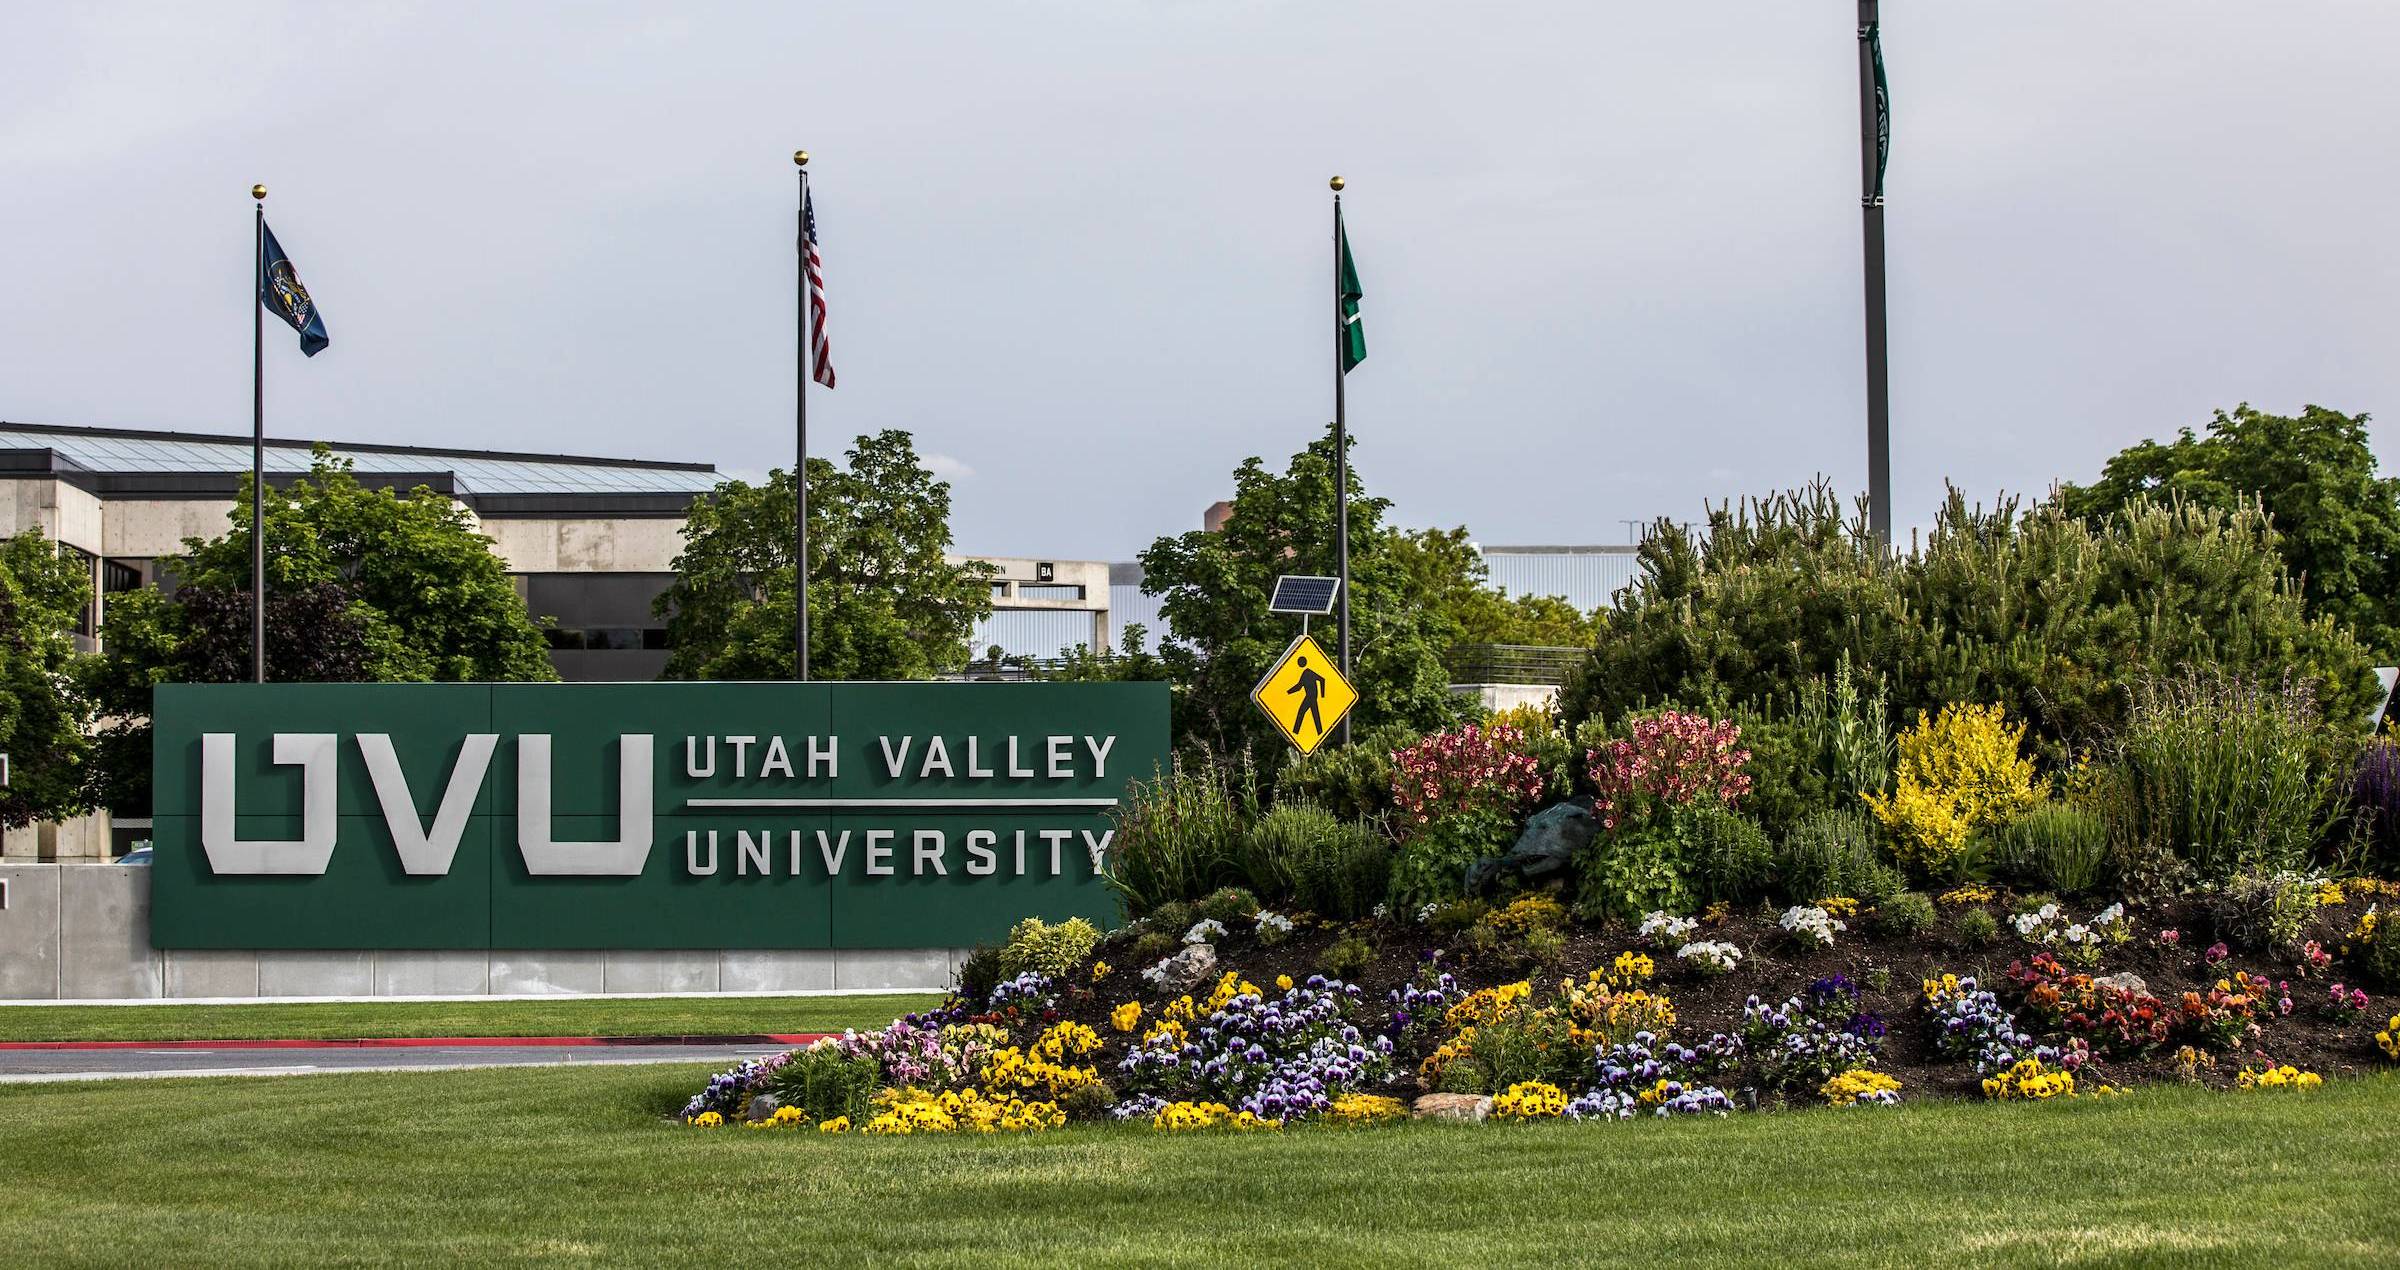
x=1603, y=1023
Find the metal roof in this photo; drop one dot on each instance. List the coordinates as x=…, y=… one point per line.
x=1588, y=577
x=117, y=451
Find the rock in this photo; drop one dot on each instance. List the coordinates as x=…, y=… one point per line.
x=1468, y=1107
x=1188, y=969
x=762, y=1107
x=2123, y=981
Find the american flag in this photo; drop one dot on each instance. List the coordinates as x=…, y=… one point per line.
x=819, y=350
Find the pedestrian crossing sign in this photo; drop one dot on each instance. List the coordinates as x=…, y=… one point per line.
x=1305, y=695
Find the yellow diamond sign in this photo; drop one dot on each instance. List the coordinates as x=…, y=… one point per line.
x=1305, y=695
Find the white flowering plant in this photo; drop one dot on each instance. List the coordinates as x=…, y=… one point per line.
x=1665, y=928
x=1271, y=928
x=2080, y=942
x=1810, y=924
x=1207, y=930
x=1710, y=956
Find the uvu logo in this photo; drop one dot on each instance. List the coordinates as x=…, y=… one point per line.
x=423, y=849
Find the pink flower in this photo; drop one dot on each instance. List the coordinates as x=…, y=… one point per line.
x=2170, y=937
x=2216, y=953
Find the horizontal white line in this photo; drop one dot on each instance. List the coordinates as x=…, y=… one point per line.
x=871, y=803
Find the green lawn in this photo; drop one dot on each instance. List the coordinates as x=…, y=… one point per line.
x=574, y=1166
x=537, y=1016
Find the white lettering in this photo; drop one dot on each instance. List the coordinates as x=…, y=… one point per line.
x=315, y=755
x=936, y=754
x=1020, y=853
x=1062, y=757
x=928, y=848
x=777, y=757
x=1098, y=847
x=622, y=857
x=1013, y=769
x=1057, y=838
x=892, y=760
x=793, y=852
x=833, y=850
x=423, y=853
x=741, y=754
x=691, y=758
x=749, y=852
x=882, y=852
x=1100, y=748
x=980, y=861
x=975, y=770
x=825, y=755
x=691, y=853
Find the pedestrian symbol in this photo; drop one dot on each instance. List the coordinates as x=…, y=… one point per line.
x=1305, y=695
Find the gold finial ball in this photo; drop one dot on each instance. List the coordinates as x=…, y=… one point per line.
x=258, y=191
x=1337, y=183
x=799, y=158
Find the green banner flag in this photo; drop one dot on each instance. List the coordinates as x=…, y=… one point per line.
x=1354, y=330
x=1883, y=111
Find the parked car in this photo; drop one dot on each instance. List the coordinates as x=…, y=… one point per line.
x=139, y=855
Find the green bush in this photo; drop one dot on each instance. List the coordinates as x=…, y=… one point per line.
x=1728, y=855
x=1300, y=855
x=1977, y=927
x=2381, y=955
x=1834, y=853
x=1346, y=958
x=1172, y=918
x=1045, y=949
x=826, y=1083
x=1904, y=916
x=2227, y=774
x=1151, y=947
x=2045, y=613
x=1351, y=782
x=2265, y=912
x=978, y=974
x=1231, y=907
x=1431, y=864
x=1345, y=876
x=1180, y=836
x=1633, y=871
x=2057, y=846
x=1817, y=749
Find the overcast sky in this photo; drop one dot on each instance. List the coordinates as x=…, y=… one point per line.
x=1610, y=251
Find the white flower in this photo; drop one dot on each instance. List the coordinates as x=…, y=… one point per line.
x=2080, y=934
x=1814, y=923
x=1204, y=931
x=1713, y=954
x=1425, y=914
x=1273, y=921
x=1667, y=927
x=2110, y=916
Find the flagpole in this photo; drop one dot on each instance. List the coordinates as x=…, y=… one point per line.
x=1341, y=445
x=258, y=439
x=800, y=425
x=1879, y=401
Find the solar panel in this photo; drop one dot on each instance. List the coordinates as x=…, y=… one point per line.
x=1299, y=593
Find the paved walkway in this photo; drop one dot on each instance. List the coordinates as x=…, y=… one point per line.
x=111, y=1062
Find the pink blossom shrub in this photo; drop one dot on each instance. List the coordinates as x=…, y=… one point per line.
x=1674, y=760
x=1466, y=769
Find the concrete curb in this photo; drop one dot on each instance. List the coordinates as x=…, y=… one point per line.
x=428, y=1042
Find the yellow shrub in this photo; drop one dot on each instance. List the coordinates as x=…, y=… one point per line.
x=2030, y=1078
x=1847, y=1088
x=1958, y=773
x=1527, y=913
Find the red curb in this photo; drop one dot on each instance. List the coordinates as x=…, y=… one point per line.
x=425, y=1042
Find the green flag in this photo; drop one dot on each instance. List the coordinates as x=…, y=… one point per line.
x=1353, y=337
x=1883, y=111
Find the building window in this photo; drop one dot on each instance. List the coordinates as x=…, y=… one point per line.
x=999, y=590
x=1050, y=591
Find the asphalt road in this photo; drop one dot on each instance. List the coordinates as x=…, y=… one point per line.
x=22, y=1066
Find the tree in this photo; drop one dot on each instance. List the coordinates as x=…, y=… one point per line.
x=362, y=585
x=1444, y=567
x=883, y=600
x=1214, y=589
x=2338, y=524
x=42, y=718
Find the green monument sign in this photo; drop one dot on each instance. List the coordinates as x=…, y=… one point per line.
x=682, y=815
